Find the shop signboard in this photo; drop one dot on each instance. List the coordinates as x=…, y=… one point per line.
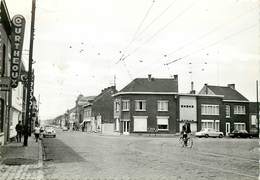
x=5, y=84
x=17, y=36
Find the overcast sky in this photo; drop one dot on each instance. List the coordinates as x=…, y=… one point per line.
x=78, y=45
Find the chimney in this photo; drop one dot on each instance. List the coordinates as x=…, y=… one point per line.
x=192, y=91
x=175, y=76
x=206, y=86
x=149, y=77
x=232, y=86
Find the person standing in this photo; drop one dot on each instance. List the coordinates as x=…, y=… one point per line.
x=19, y=130
x=37, y=132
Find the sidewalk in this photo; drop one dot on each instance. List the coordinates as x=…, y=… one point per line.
x=19, y=162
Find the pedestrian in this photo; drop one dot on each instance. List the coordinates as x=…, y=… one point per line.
x=19, y=131
x=37, y=132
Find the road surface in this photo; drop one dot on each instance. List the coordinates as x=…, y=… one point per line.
x=79, y=155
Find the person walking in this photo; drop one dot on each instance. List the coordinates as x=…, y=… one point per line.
x=37, y=132
x=19, y=131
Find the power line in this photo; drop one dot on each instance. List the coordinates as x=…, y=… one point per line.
x=212, y=31
x=165, y=26
x=213, y=44
x=157, y=17
x=140, y=25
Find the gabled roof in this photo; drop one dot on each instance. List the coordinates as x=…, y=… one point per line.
x=83, y=100
x=228, y=93
x=153, y=85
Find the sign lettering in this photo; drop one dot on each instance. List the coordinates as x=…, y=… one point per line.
x=18, y=26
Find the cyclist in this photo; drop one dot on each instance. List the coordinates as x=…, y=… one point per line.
x=185, y=132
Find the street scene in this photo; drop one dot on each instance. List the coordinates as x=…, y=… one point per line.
x=133, y=89
x=79, y=155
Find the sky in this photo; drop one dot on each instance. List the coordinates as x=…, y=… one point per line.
x=78, y=45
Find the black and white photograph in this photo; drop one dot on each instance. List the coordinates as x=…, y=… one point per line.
x=129, y=89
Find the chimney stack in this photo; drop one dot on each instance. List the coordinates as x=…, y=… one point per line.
x=175, y=76
x=149, y=77
x=232, y=86
x=206, y=86
x=192, y=91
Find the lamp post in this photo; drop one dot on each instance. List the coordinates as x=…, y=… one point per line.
x=29, y=95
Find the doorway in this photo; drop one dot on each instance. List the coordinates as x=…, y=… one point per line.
x=126, y=127
x=227, y=128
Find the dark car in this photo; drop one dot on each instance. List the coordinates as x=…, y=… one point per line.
x=241, y=134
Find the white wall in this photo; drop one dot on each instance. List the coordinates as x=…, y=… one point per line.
x=188, y=113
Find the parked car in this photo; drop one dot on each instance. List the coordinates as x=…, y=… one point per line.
x=49, y=131
x=242, y=134
x=64, y=128
x=209, y=132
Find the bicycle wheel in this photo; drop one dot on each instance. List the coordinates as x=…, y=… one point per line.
x=181, y=141
x=189, y=142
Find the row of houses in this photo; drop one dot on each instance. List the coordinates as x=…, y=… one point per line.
x=154, y=104
x=12, y=99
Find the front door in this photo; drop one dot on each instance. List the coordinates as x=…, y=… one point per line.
x=126, y=127
x=227, y=128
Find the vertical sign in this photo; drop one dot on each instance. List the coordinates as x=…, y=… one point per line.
x=18, y=26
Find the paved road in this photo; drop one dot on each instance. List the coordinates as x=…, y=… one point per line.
x=78, y=155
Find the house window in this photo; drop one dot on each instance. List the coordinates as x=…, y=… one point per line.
x=253, y=120
x=117, y=106
x=239, y=126
x=227, y=111
x=239, y=109
x=140, y=105
x=162, y=105
x=216, y=125
x=140, y=123
x=163, y=123
x=208, y=109
x=125, y=105
x=207, y=124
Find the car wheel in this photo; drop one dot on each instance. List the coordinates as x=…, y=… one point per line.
x=220, y=136
x=206, y=135
x=44, y=136
x=54, y=136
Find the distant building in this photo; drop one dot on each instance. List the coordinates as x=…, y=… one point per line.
x=235, y=107
x=103, y=112
x=145, y=105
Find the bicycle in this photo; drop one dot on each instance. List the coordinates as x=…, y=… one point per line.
x=189, y=142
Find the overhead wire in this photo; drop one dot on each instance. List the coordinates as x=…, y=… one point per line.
x=137, y=30
x=157, y=17
x=213, y=44
x=162, y=28
x=216, y=28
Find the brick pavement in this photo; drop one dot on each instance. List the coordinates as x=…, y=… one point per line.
x=23, y=162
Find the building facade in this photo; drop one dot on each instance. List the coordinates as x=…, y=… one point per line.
x=5, y=55
x=102, y=110
x=235, y=107
x=147, y=105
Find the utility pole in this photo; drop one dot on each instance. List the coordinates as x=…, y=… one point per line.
x=257, y=108
x=28, y=100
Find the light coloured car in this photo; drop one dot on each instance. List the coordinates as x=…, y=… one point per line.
x=49, y=131
x=64, y=128
x=209, y=132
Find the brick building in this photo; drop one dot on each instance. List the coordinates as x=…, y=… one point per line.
x=235, y=107
x=102, y=110
x=147, y=104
